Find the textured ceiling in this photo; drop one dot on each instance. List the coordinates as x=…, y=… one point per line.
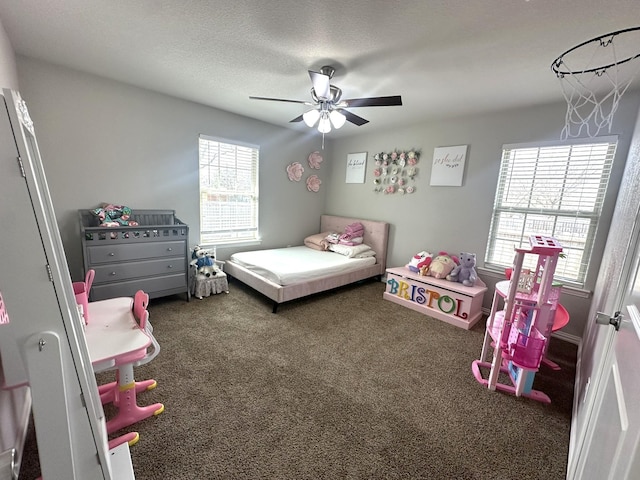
x=445, y=57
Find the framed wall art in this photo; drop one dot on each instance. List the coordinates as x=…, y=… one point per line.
x=356, y=167
x=448, y=166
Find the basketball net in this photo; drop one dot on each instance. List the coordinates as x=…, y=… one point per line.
x=593, y=88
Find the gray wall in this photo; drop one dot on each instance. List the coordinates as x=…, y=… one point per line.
x=104, y=141
x=457, y=219
x=8, y=71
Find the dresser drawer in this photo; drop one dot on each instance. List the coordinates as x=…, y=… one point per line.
x=124, y=252
x=125, y=271
x=152, y=286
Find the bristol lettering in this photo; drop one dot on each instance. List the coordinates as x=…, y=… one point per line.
x=429, y=298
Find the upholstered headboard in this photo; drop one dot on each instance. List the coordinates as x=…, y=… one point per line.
x=376, y=234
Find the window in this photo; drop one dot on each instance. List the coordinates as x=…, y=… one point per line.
x=228, y=191
x=556, y=191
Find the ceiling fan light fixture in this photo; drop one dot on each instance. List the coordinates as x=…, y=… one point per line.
x=311, y=117
x=337, y=118
x=328, y=109
x=324, y=126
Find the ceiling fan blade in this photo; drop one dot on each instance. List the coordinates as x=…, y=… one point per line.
x=280, y=100
x=355, y=119
x=297, y=119
x=394, y=100
x=320, y=83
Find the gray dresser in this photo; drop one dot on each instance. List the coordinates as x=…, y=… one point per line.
x=152, y=256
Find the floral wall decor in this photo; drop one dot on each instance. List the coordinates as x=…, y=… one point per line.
x=313, y=183
x=315, y=159
x=395, y=172
x=295, y=171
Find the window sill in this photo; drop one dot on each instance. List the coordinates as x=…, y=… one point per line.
x=568, y=289
x=245, y=243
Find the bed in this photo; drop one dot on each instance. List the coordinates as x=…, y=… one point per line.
x=284, y=286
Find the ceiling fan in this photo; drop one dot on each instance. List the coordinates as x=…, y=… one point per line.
x=328, y=108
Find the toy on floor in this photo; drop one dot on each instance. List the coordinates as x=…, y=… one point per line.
x=560, y=320
x=519, y=331
x=465, y=272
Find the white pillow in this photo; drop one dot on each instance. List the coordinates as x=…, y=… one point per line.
x=349, y=251
x=368, y=253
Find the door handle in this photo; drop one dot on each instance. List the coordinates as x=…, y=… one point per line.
x=604, y=319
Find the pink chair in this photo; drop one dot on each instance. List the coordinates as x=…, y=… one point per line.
x=81, y=291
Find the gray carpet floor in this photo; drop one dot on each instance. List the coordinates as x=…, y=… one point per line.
x=342, y=385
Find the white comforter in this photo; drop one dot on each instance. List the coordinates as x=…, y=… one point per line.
x=286, y=266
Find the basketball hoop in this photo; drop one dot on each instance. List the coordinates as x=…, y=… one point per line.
x=594, y=75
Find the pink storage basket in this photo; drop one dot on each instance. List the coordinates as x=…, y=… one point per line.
x=81, y=291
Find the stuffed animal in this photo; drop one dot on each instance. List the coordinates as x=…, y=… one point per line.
x=465, y=273
x=204, y=261
x=208, y=271
x=110, y=215
x=441, y=265
x=418, y=261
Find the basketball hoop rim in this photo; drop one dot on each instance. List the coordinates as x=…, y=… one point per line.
x=558, y=62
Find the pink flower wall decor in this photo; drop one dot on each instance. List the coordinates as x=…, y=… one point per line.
x=313, y=183
x=315, y=159
x=395, y=171
x=295, y=171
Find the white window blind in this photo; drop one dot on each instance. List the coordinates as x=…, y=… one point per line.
x=228, y=191
x=555, y=191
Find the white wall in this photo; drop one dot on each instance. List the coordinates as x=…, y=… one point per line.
x=105, y=141
x=457, y=219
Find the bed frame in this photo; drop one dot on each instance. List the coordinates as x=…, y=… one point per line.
x=376, y=235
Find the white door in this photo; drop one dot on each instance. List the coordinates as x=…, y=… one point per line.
x=610, y=450
x=605, y=426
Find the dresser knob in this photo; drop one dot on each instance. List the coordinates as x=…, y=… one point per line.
x=111, y=254
x=170, y=266
x=170, y=249
x=113, y=274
